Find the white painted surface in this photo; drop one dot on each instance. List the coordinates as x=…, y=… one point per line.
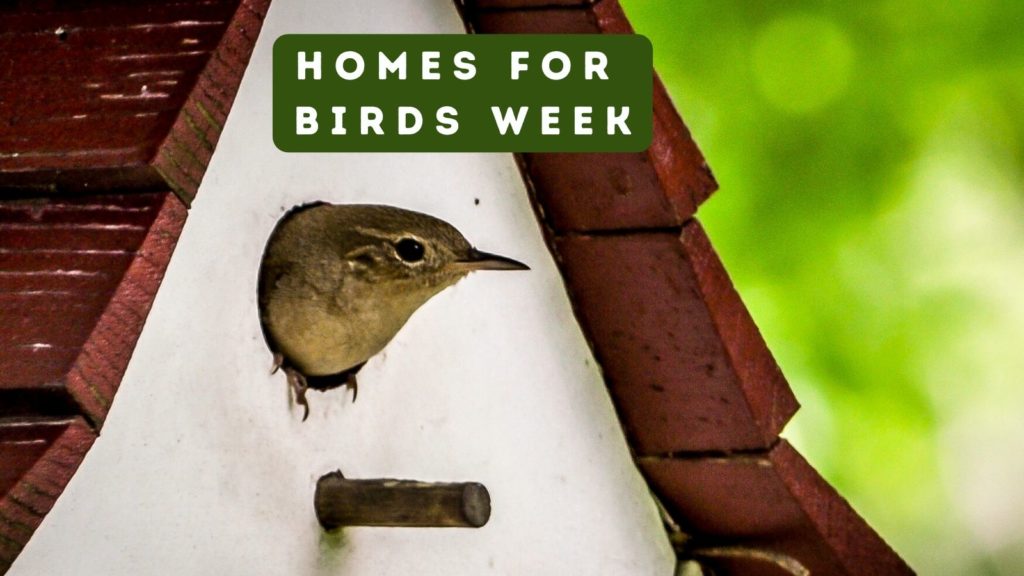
x=204, y=469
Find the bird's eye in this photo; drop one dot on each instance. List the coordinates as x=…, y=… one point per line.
x=409, y=250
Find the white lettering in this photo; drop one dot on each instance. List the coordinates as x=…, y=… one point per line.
x=305, y=65
x=549, y=120
x=464, y=67
x=387, y=66
x=517, y=63
x=404, y=114
x=349, y=56
x=446, y=122
x=339, y=120
x=305, y=120
x=563, y=69
x=370, y=118
x=618, y=120
x=515, y=121
x=582, y=116
x=430, y=65
x=596, y=64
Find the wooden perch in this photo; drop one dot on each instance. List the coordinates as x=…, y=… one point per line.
x=408, y=503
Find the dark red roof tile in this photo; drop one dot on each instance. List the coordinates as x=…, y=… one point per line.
x=77, y=276
x=91, y=91
x=772, y=501
x=39, y=458
x=656, y=307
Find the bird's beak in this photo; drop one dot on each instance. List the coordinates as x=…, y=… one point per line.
x=477, y=260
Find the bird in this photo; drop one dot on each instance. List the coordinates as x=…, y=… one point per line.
x=337, y=281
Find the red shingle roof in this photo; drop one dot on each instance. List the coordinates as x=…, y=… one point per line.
x=110, y=112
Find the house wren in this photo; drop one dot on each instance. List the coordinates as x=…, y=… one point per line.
x=337, y=282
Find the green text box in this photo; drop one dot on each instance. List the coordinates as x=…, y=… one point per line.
x=619, y=103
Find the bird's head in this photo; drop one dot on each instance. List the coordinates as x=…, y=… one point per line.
x=387, y=244
x=390, y=249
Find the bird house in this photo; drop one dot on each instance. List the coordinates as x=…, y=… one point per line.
x=617, y=401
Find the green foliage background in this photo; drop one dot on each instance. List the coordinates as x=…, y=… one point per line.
x=871, y=212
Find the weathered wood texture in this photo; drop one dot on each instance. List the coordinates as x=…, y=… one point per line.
x=95, y=87
x=686, y=366
x=77, y=278
x=401, y=503
x=104, y=96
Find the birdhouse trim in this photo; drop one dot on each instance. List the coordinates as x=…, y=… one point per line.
x=93, y=203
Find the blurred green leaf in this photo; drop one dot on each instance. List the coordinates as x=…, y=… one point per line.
x=871, y=213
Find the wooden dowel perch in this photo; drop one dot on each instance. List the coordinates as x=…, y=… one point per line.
x=386, y=502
